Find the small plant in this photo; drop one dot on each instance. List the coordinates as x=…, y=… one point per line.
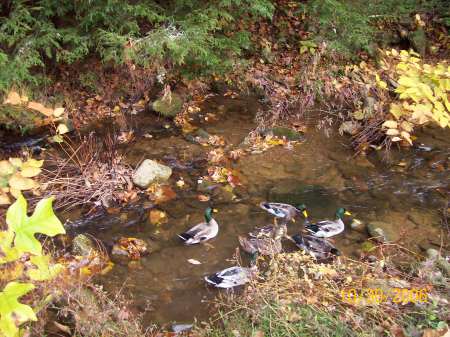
x=423, y=94
x=308, y=46
x=22, y=259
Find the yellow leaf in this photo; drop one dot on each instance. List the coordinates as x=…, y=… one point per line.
x=29, y=171
x=13, y=98
x=18, y=182
x=4, y=199
x=15, y=192
x=392, y=132
x=406, y=136
x=6, y=168
x=426, y=90
x=17, y=162
x=58, y=112
x=407, y=81
x=396, y=110
x=62, y=129
x=390, y=124
x=34, y=163
x=406, y=126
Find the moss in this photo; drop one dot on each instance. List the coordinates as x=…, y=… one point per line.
x=168, y=107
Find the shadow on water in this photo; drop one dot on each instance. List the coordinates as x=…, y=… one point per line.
x=320, y=172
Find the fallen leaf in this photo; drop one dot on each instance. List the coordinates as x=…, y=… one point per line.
x=34, y=163
x=17, y=162
x=58, y=112
x=62, y=129
x=41, y=108
x=6, y=168
x=157, y=217
x=203, y=198
x=13, y=98
x=4, y=199
x=193, y=261
x=18, y=182
x=29, y=171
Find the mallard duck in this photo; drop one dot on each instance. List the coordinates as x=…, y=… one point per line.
x=201, y=232
x=264, y=245
x=328, y=228
x=284, y=211
x=231, y=277
x=318, y=248
x=270, y=231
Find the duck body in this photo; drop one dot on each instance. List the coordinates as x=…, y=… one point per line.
x=328, y=228
x=263, y=245
x=281, y=210
x=201, y=232
x=325, y=228
x=231, y=277
x=318, y=248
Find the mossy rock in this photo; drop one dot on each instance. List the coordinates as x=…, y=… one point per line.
x=289, y=134
x=19, y=118
x=168, y=107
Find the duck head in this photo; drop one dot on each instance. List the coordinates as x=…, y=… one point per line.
x=302, y=209
x=341, y=212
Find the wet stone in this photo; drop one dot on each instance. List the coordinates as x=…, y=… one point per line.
x=83, y=245
x=151, y=171
x=376, y=230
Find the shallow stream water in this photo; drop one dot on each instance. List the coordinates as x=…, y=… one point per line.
x=320, y=172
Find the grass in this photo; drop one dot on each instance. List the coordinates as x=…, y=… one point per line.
x=296, y=296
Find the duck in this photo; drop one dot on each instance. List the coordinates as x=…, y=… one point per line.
x=270, y=231
x=318, y=248
x=201, y=232
x=231, y=277
x=328, y=228
x=283, y=211
x=264, y=245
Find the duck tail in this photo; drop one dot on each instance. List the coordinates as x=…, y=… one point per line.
x=335, y=251
x=298, y=238
x=213, y=279
x=185, y=236
x=265, y=205
x=312, y=228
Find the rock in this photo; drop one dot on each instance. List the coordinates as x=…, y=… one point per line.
x=169, y=106
x=418, y=40
x=289, y=134
x=151, y=171
x=349, y=127
x=180, y=328
x=376, y=232
x=83, y=245
x=223, y=194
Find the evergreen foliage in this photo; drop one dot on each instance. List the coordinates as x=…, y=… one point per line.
x=195, y=34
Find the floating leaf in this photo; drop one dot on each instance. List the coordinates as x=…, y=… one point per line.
x=18, y=182
x=157, y=217
x=194, y=261
x=29, y=171
x=6, y=168
x=12, y=312
x=44, y=270
x=43, y=220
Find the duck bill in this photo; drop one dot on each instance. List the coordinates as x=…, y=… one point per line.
x=347, y=213
x=305, y=214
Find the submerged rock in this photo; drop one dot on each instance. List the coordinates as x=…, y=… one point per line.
x=289, y=134
x=376, y=230
x=149, y=172
x=83, y=245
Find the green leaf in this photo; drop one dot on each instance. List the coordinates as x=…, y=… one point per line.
x=42, y=221
x=13, y=313
x=8, y=253
x=44, y=270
